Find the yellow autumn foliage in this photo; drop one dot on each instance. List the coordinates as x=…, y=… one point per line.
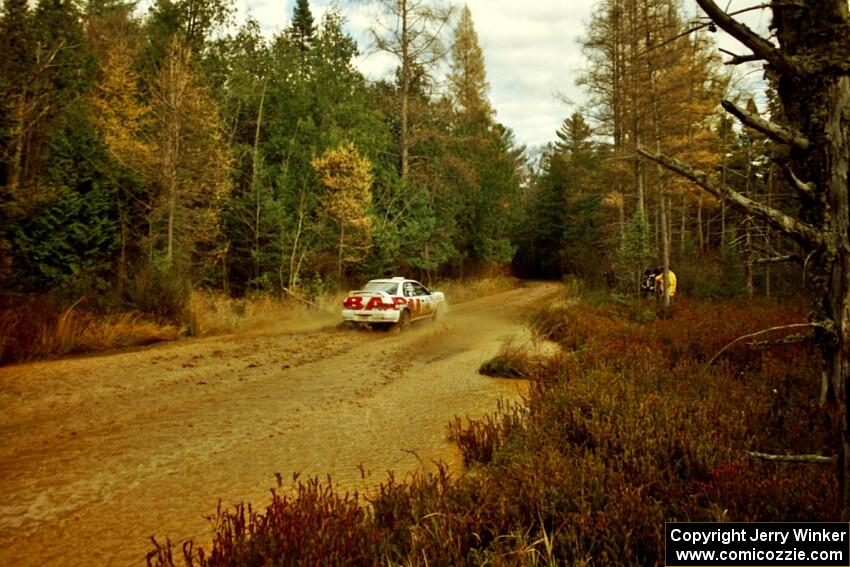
x=347, y=176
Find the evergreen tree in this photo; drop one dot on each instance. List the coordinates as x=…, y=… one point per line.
x=16, y=63
x=636, y=251
x=468, y=76
x=574, y=135
x=67, y=243
x=302, y=30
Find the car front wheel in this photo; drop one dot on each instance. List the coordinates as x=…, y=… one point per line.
x=439, y=312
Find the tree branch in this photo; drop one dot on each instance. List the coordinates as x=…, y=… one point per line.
x=806, y=189
x=771, y=130
x=739, y=59
x=762, y=332
x=759, y=45
x=808, y=459
x=798, y=230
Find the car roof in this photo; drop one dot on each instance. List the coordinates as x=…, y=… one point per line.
x=393, y=280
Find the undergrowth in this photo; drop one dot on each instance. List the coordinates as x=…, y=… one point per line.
x=627, y=429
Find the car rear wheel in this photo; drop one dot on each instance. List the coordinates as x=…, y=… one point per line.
x=403, y=320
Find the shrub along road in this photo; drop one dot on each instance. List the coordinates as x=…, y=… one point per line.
x=100, y=453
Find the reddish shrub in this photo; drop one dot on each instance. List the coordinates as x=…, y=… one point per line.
x=632, y=428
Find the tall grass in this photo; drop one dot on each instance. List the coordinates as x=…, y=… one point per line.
x=37, y=328
x=628, y=430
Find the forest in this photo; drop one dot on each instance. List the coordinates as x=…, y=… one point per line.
x=148, y=156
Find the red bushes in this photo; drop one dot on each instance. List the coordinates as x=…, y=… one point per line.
x=315, y=526
x=629, y=429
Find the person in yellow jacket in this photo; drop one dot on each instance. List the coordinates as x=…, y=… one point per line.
x=671, y=282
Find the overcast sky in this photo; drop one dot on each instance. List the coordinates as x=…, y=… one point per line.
x=531, y=50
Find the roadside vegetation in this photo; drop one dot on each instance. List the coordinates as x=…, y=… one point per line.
x=39, y=328
x=626, y=427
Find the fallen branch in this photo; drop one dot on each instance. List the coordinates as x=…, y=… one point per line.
x=808, y=459
x=763, y=332
x=779, y=259
x=294, y=295
x=789, y=340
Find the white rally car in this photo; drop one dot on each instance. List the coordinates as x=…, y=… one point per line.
x=392, y=301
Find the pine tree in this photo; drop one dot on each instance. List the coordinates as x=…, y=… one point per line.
x=468, y=76
x=303, y=29
x=574, y=135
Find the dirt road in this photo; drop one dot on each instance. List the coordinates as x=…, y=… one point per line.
x=99, y=453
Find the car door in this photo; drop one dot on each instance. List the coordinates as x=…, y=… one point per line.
x=424, y=299
x=413, y=302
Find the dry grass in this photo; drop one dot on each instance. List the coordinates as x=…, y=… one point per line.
x=35, y=327
x=28, y=333
x=460, y=291
x=77, y=332
x=519, y=360
x=216, y=314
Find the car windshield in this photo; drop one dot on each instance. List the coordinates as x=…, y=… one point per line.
x=388, y=287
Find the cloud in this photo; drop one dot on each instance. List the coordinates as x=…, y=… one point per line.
x=531, y=49
x=533, y=56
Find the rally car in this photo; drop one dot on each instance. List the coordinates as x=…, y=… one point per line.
x=396, y=301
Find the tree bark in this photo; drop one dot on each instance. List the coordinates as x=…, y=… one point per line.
x=339, y=259
x=405, y=94
x=837, y=353
x=700, y=234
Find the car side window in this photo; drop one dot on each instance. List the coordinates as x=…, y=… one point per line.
x=420, y=289
x=409, y=290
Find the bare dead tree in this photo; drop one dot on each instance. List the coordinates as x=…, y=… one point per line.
x=410, y=31
x=812, y=70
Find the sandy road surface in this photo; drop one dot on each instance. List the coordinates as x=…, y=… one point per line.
x=99, y=453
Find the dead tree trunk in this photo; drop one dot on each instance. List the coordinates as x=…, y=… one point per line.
x=813, y=73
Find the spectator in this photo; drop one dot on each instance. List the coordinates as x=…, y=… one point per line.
x=671, y=282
